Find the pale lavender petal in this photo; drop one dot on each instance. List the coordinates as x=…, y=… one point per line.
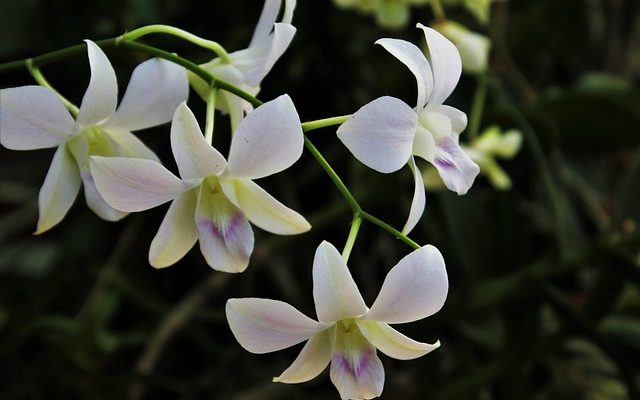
x=456, y=168
x=226, y=238
x=415, y=288
x=33, y=117
x=334, y=291
x=100, y=99
x=381, y=133
x=264, y=325
x=419, y=199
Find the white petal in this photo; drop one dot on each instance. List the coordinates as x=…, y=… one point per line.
x=393, y=343
x=419, y=199
x=456, y=168
x=59, y=190
x=134, y=184
x=457, y=117
x=334, y=292
x=255, y=62
x=262, y=209
x=267, y=141
x=424, y=145
x=94, y=199
x=356, y=370
x=33, y=117
x=155, y=90
x=414, y=289
x=445, y=62
x=311, y=361
x=178, y=232
x=226, y=238
x=263, y=325
x=128, y=145
x=380, y=134
x=268, y=17
x=195, y=157
x=100, y=99
x=411, y=56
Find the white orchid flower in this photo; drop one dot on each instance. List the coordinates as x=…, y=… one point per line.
x=348, y=333
x=34, y=117
x=386, y=133
x=215, y=199
x=248, y=67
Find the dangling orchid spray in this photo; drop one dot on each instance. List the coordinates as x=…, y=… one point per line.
x=215, y=200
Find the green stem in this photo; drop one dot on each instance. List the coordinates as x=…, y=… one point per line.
x=438, y=11
x=42, y=81
x=477, y=107
x=399, y=235
x=170, y=30
x=342, y=188
x=323, y=123
x=211, y=112
x=353, y=234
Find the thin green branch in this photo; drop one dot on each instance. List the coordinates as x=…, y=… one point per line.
x=342, y=188
x=323, y=123
x=353, y=234
x=42, y=81
x=182, y=34
x=438, y=11
x=399, y=235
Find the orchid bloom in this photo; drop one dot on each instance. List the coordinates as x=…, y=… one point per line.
x=215, y=199
x=386, y=133
x=248, y=67
x=34, y=117
x=348, y=333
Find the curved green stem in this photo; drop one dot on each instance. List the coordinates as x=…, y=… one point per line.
x=211, y=112
x=42, y=81
x=182, y=34
x=323, y=123
x=399, y=235
x=353, y=234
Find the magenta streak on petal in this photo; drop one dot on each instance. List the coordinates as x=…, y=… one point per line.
x=441, y=162
x=449, y=147
x=223, y=235
x=353, y=367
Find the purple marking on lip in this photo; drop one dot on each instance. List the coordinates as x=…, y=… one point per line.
x=441, y=162
x=360, y=365
x=223, y=235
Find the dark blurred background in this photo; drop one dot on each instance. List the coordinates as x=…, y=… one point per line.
x=544, y=299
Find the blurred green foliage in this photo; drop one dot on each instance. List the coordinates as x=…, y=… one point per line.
x=544, y=300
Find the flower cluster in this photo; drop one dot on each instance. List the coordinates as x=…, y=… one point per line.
x=214, y=200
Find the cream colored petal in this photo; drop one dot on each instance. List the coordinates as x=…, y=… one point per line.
x=311, y=361
x=419, y=199
x=262, y=209
x=178, y=232
x=393, y=343
x=59, y=190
